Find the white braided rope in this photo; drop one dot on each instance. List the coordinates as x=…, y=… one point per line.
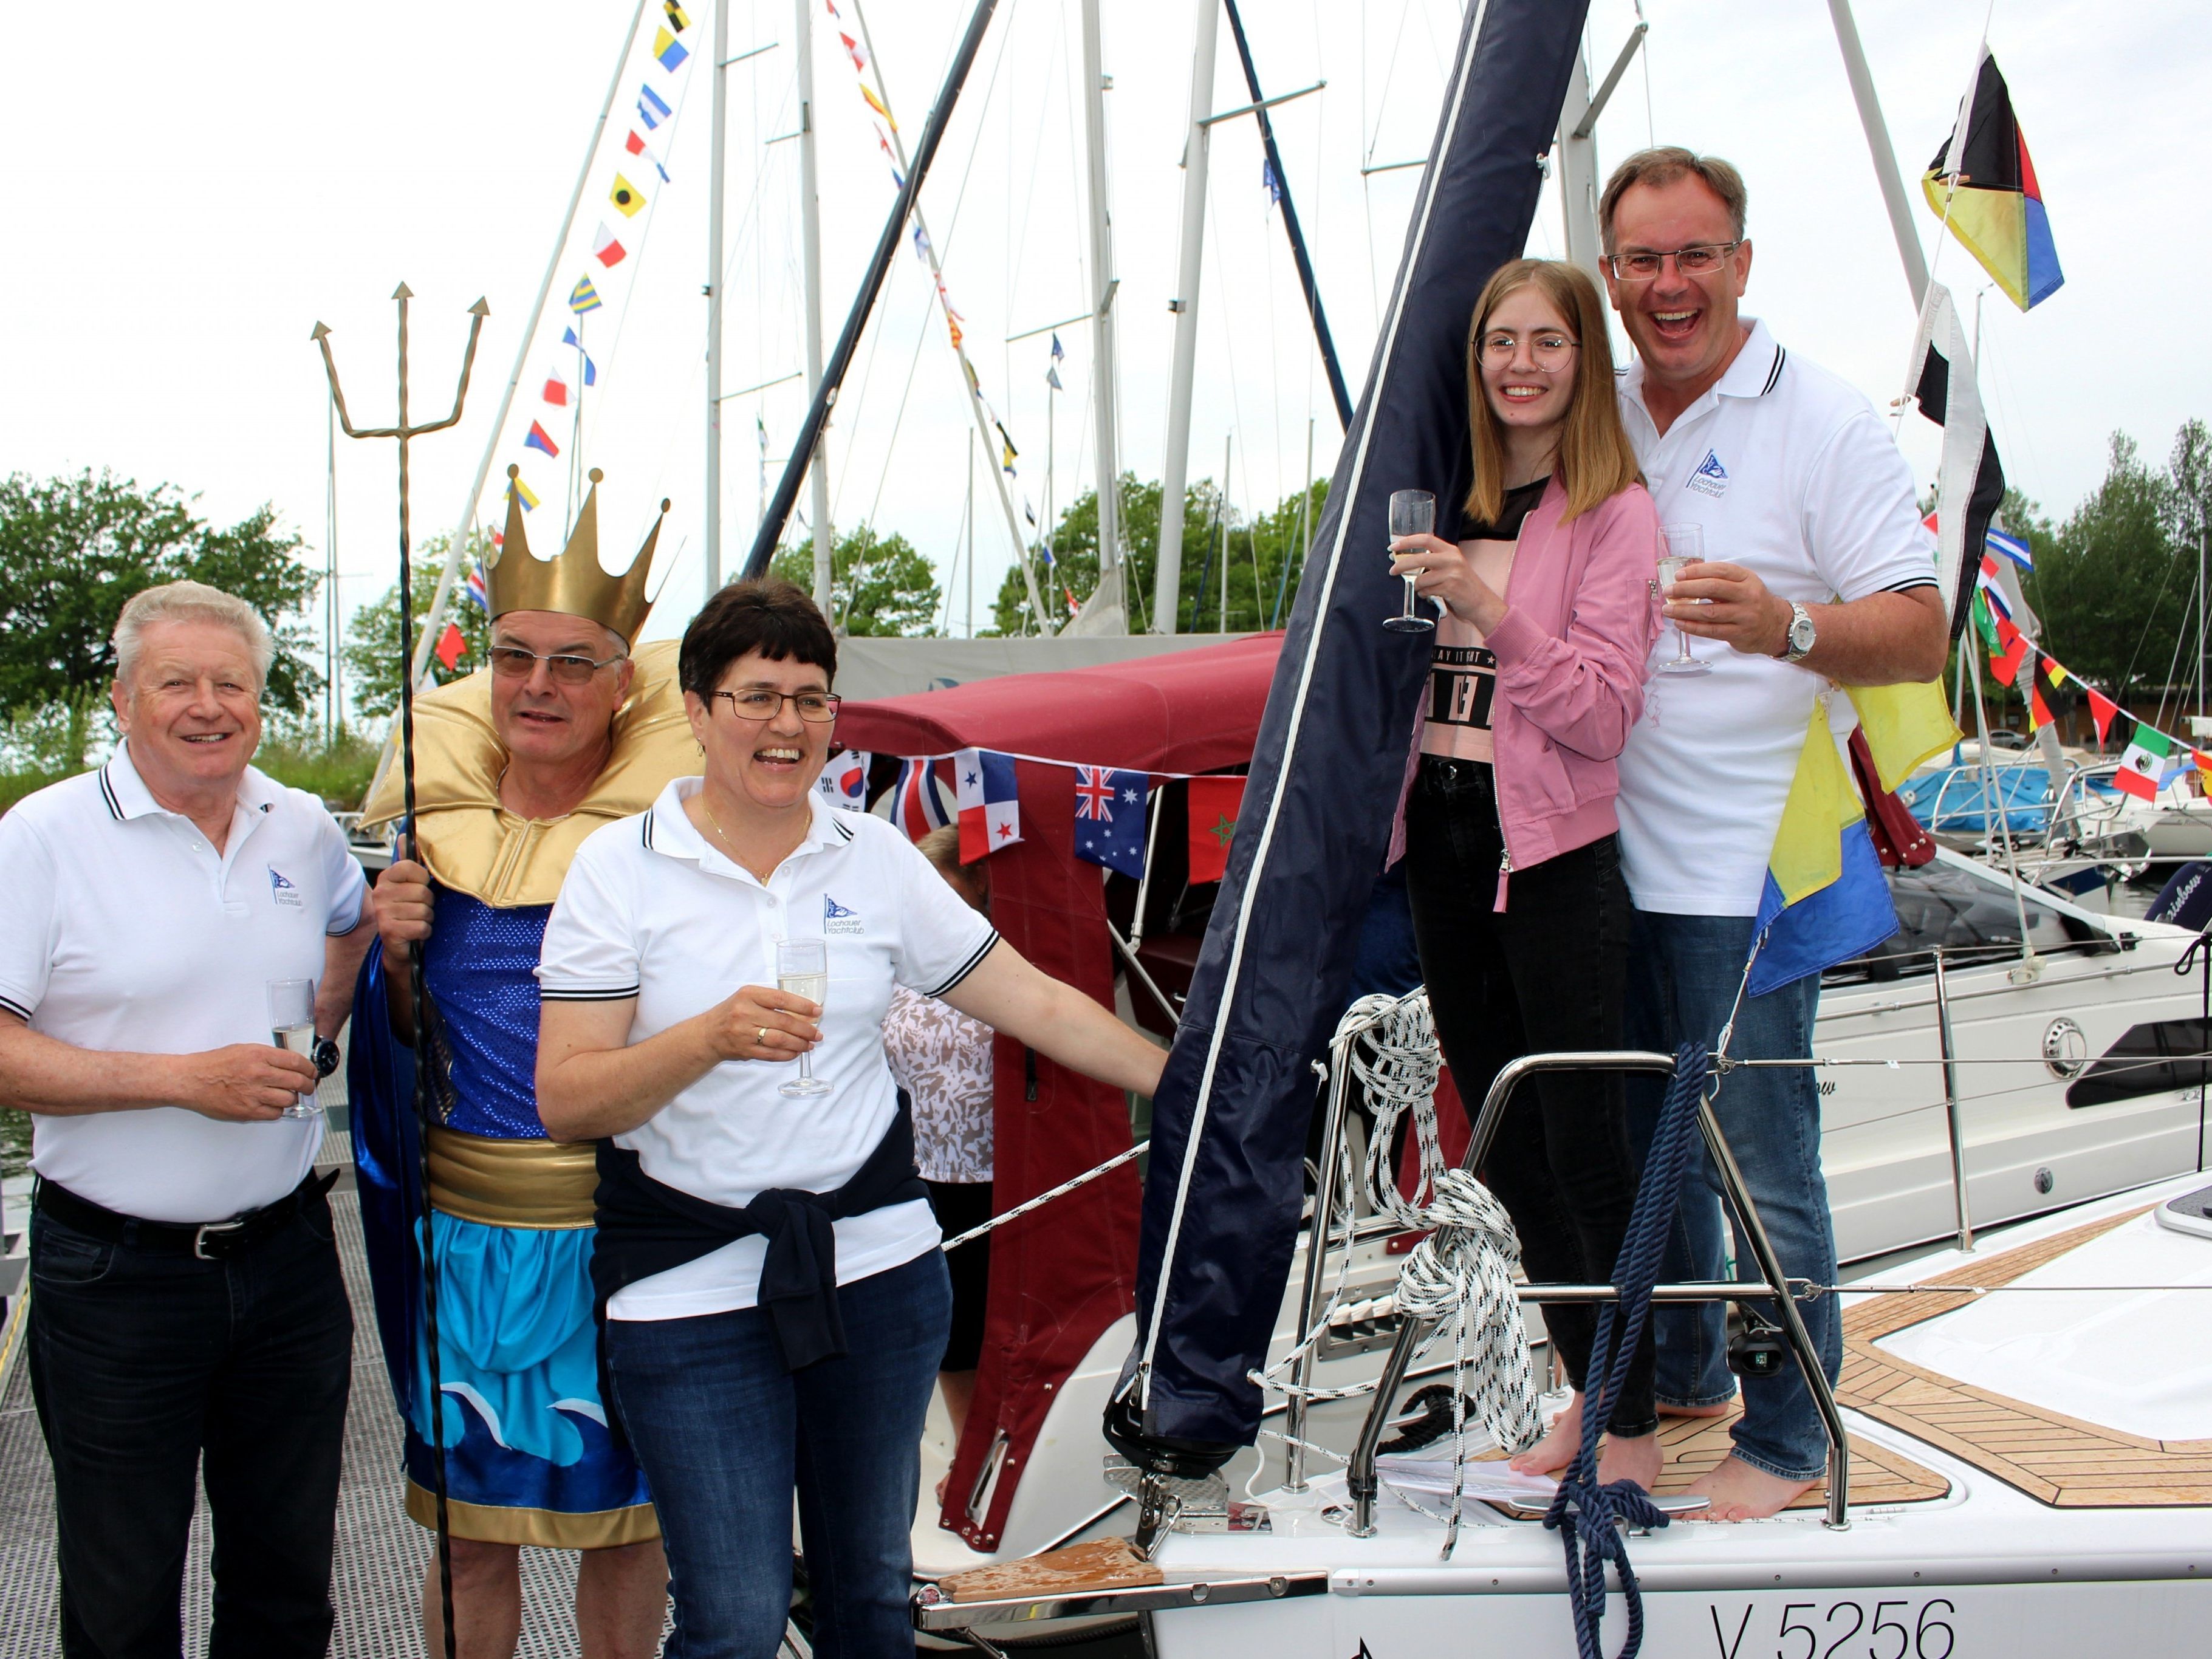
x=1463, y=1275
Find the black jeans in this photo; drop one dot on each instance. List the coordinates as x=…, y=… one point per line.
x=1549, y=972
x=143, y=1362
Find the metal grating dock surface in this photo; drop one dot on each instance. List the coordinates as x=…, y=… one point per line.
x=380, y=1553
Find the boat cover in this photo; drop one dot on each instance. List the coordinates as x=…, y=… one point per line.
x=1228, y=1126
x=1057, y=1282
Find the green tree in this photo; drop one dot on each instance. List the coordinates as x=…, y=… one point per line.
x=880, y=587
x=2109, y=584
x=372, y=647
x=1258, y=551
x=74, y=550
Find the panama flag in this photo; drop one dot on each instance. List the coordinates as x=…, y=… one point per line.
x=2142, y=764
x=990, y=810
x=607, y=251
x=844, y=780
x=916, y=806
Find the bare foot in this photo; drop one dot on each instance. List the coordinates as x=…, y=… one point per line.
x=1559, y=1444
x=1638, y=1458
x=1740, y=1493
x=1720, y=1410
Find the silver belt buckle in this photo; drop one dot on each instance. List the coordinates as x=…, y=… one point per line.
x=218, y=1228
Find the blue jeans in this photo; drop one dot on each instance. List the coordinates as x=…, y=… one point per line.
x=724, y=1432
x=1684, y=972
x=150, y=1369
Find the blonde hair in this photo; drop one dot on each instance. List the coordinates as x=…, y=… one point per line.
x=189, y=601
x=1595, y=461
x=941, y=847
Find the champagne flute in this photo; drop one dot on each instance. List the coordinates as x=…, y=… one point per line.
x=1685, y=545
x=802, y=968
x=1412, y=513
x=292, y=1025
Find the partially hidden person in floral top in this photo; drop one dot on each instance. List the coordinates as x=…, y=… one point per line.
x=942, y=1059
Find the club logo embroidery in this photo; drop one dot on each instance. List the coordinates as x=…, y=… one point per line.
x=836, y=919
x=282, y=889
x=1710, y=478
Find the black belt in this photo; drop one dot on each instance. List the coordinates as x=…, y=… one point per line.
x=210, y=1240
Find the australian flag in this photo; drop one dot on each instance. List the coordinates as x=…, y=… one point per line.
x=1109, y=818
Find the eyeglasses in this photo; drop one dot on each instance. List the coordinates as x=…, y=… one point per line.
x=1548, y=349
x=816, y=708
x=1699, y=261
x=512, y=662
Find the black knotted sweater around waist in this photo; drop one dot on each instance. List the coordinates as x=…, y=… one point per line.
x=647, y=1227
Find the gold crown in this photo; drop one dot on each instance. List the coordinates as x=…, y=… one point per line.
x=574, y=583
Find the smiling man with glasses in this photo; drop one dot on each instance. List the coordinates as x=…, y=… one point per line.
x=1817, y=574
x=567, y=731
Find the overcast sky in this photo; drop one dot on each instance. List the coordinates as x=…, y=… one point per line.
x=204, y=183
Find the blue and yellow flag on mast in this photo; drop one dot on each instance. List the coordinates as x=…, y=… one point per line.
x=1826, y=899
x=1989, y=196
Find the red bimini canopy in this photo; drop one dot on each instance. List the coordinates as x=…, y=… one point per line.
x=1059, y=1278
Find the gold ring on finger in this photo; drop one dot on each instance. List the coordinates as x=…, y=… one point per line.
x=760, y=1039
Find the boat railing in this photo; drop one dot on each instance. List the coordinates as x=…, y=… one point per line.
x=1772, y=1286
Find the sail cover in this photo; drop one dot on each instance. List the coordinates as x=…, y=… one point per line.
x=1229, y=1124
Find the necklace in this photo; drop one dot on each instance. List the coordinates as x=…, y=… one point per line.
x=730, y=845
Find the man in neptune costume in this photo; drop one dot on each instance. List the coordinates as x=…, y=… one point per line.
x=563, y=731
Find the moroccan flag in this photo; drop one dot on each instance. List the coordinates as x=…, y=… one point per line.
x=626, y=197
x=1990, y=193
x=452, y=646
x=2143, y=764
x=1970, y=480
x=606, y=250
x=1214, y=804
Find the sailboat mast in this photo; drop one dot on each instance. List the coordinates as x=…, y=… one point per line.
x=1885, y=157
x=1108, y=595
x=1175, y=465
x=809, y=222
x=716, y=169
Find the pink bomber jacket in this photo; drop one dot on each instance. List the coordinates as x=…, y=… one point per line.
x=1572, y=650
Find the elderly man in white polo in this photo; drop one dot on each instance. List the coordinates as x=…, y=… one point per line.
x=187, y=1315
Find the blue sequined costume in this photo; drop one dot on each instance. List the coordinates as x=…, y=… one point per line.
x=528, y=1456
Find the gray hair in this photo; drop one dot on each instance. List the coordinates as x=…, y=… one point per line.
x=189, y=601
x=1661, y=167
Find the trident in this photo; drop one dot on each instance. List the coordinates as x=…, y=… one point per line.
x=419, y=998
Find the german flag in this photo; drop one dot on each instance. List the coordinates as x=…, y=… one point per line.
x=1990, y=195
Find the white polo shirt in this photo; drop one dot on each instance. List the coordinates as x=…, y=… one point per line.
x=122, y=928
x=651, y=909
x=1794, y=477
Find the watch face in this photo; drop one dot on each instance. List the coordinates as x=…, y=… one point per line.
x=1801, y=634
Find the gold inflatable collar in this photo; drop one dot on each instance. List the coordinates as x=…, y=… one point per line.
x=573, y=584
x=475, y=846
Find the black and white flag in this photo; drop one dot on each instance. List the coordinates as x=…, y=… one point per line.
x=1969, y=483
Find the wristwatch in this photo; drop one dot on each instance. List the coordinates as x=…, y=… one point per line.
x=325, y=1056
x=1802, y=634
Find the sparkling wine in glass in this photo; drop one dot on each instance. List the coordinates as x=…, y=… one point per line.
x=292, y=1025
x=1685, y=545
x=802, y=968
x=1412, y=513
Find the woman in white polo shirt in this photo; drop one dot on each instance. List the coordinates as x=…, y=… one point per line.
x=776, y=1302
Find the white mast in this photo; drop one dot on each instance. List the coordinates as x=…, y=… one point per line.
x=719, y=141
x=810, y=219
x=1885, y=157
x=1579, y=186
x=1105, y=611
x=1175, y=465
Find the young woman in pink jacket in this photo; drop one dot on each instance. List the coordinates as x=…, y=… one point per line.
x=1512, y=862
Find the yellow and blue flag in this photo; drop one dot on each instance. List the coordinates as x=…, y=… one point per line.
x=584, y=297
x=1826, y=899
x=1989, y=196
x=667, y=48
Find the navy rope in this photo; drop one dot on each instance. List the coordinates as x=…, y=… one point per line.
x=1589, y=1517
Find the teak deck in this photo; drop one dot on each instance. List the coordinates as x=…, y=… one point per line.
x=1878, y=1475
x=2062, y=1460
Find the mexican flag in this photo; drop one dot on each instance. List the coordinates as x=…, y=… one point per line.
x=2143, y=762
